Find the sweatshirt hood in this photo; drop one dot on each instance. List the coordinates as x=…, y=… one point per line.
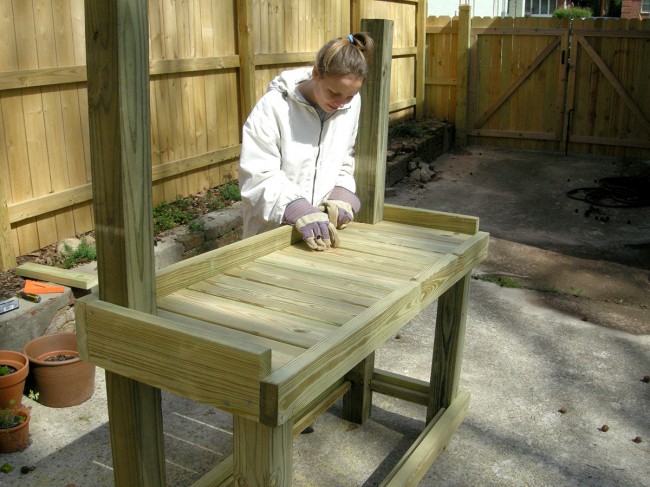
x=287, y=81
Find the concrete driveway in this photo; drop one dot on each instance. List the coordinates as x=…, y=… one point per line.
x=575, y=337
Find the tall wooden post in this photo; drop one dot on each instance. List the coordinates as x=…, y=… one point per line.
x=118, y=107
x=372, y=136
x=370, y=176
x=246, y=39
x=462, y=75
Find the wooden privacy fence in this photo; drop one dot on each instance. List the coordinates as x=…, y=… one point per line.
x=209, y=61
x=542, y=83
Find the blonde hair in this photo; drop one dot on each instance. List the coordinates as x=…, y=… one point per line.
x=346, y=55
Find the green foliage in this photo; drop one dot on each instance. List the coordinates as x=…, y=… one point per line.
x=10, y=417
x=196, y=226
x=6, y=467
x=502, y=281
x=409, y=128
x=230, y=191
x=548, y=288
x=4, y=370
x=168, y=215
x=185, y=211
x=572, y=13
x=82, y=254
x=34, y=395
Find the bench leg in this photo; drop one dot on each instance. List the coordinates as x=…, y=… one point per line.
x=135, y=422
x=263, y=455
x=448, y=346
x=357, y=402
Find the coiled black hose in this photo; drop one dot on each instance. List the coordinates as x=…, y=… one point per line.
x=616, y=192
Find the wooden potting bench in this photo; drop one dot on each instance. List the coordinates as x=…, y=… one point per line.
x=264, y=328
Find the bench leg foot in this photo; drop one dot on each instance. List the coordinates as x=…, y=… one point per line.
x=357, y=402
x=262, y=455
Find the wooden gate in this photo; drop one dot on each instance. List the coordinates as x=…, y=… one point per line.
x=607, y=92
x=517, y=82
x=548, y=84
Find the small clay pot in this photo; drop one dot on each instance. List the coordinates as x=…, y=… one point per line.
x=16, y=438
x=59, y=384
x=13, y=385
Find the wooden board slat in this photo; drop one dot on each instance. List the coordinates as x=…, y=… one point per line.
x=65, y=277
x=251, y=319
x=278, y=299
x=356, y=258
x=329, y=266
x=340, y=290
x=187, y=359
x=431, y=219
x=421, y=455
x=281, y=353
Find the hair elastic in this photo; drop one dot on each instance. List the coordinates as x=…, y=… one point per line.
x=351, y=38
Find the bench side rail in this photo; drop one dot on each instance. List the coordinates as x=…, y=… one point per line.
x=188, y=360
x=187, y=272
x=441, y=220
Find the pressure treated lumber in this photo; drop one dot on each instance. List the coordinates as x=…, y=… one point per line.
x=65, y=277
x=430, y=218
x=186, y=359
x=117, y=40
x=372, y=136
x=423, y=452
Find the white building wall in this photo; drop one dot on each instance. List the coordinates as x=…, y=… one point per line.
x=480, y=8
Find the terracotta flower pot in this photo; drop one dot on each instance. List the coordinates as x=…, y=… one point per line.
x=59, y=383
x=16, y=438
x=12, y=385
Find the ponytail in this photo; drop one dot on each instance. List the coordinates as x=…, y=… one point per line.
x=346, y=55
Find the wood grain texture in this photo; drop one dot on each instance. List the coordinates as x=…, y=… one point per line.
x=119, y=118
x=65, y=277
x=372, y=136
x=420, y=456
x=187, y=359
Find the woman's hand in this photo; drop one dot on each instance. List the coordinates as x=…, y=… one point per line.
x=314, y=226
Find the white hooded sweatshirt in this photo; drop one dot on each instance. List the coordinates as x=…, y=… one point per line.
x=289, y=153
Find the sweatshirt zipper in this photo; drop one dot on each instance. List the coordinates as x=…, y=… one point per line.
x=320, y=137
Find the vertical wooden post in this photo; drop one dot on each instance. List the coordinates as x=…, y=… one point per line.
x=246, y=53
x=370, y=176
x=357, y=402
x=372, y=136
x=448, y=346
x=7, y=255
x=118, y=109
x=262, y=455
x=462, y=74
x=420, y=58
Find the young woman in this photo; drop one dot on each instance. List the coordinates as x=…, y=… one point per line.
x=297, y=160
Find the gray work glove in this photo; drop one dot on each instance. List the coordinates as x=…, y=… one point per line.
x=341, y=206
x=314, y=226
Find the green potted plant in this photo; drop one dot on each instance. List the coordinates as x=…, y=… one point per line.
x=14, y=367
x=14, y=428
